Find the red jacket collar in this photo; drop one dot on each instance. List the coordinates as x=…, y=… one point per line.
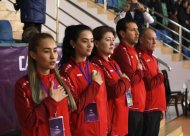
x=149, y=52
x=49, y=77
x=130, y=47
x=101, y=58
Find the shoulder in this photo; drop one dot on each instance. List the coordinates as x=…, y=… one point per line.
x=95, y=66
x=23, y=82
x=96, y=61
x=67, y=68
x=119, y=48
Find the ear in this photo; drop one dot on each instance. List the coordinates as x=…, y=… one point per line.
x=122, y=34
x=96, y=43
x=72, y=43
x=32, y=55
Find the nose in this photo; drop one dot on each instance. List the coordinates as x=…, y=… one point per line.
x=154, y=41
x=113, y=40
x=90, y=44
x=137, y=32
x=52, y=55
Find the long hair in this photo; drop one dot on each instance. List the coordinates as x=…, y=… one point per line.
x=36, y=89
x=98, y=34
x=71, y=34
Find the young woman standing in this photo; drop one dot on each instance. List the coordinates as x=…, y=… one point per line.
x=41, y=100
x=86, y=83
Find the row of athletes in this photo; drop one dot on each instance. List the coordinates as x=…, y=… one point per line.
x=99, y=90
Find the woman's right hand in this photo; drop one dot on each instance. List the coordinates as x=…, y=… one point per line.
x=57, y=94
x=139, y=66
x=96, y=76
x=123, y=75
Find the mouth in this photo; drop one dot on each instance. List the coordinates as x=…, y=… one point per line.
x=111, y=48
x=89, y=50
x=136, y=38
x=52, y=62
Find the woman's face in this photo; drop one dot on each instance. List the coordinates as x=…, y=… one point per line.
x=84, y=44
x=45, y=56
x=106, y=45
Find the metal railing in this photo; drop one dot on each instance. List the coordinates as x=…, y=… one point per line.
x=57, y=20
x=179, y=34
x=181, y=38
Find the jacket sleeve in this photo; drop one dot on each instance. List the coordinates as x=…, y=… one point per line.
x=116, y=89
x=29, y=114
x=148, y=18
x=124, y=63
x=87, y=96
x=152, y=82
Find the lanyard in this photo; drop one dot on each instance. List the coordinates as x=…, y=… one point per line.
x=45, y=88
x=117, y=70
x=87, y=77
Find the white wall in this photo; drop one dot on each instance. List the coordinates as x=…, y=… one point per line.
x=178, y=75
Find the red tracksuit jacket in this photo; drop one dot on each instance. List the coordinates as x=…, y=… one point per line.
x=127, y=59
x=34, y=119
x=84, y=94
x=116, y=89
x=153, y=79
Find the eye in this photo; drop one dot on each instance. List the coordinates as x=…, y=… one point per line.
x=84, y=41
x=46, y=51
x=92, y=41
x=55, y=50
x=108, y=39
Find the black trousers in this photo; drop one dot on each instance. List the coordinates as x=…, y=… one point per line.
x=135, y=123
x=151, y=123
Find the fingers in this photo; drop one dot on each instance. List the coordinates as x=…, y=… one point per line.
x=62, y=90
x=98, y=73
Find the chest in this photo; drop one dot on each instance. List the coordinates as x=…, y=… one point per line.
x=151, y=64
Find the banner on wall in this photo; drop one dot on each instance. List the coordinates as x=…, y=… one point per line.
x=13, y=65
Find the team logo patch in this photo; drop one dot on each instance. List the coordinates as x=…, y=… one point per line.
x=78, y=75
x=148, y=60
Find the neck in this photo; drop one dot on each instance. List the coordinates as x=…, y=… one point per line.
x=43, y=72
x=149, y=51
x=79, y=59
x=104, y=56
x=126, y=43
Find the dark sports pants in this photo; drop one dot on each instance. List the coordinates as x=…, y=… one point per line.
x=151, y=123
x=135, y=123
